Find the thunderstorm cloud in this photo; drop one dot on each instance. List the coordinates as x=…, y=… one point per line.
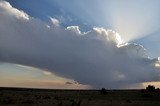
x=97, y=57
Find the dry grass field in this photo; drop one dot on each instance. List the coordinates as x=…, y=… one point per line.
x=47, y=97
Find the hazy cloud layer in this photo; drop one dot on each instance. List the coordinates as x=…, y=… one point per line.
x=97, y=57
x=14, y=75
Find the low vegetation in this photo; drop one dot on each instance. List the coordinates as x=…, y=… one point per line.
x=43, y=97
x=103, y=91
x=150, y=88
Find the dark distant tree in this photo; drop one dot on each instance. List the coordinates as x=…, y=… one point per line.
x=103, y=91
x=158, y=90
x=150, y=88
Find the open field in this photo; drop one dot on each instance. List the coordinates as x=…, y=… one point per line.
x=47, y=97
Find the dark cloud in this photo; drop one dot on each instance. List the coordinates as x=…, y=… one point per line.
x=69, y=83
x=96, y=57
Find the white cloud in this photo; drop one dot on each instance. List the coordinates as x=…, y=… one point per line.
x=74, y=29
x=97, y=57
x=6, y=7
x=55, y=21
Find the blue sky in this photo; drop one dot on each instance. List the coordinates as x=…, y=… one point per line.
x=44, y=8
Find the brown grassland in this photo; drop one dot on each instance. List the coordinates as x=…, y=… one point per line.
x=48, y=97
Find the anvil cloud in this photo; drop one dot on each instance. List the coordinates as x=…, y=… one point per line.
x=97, y=57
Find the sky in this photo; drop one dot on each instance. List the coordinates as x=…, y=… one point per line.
x=79, y=44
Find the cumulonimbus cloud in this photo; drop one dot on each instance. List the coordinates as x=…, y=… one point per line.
x=97, y=57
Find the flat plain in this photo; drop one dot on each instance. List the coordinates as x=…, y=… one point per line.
x=53, y=97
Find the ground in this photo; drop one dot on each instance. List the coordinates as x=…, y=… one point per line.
x=48, y=97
